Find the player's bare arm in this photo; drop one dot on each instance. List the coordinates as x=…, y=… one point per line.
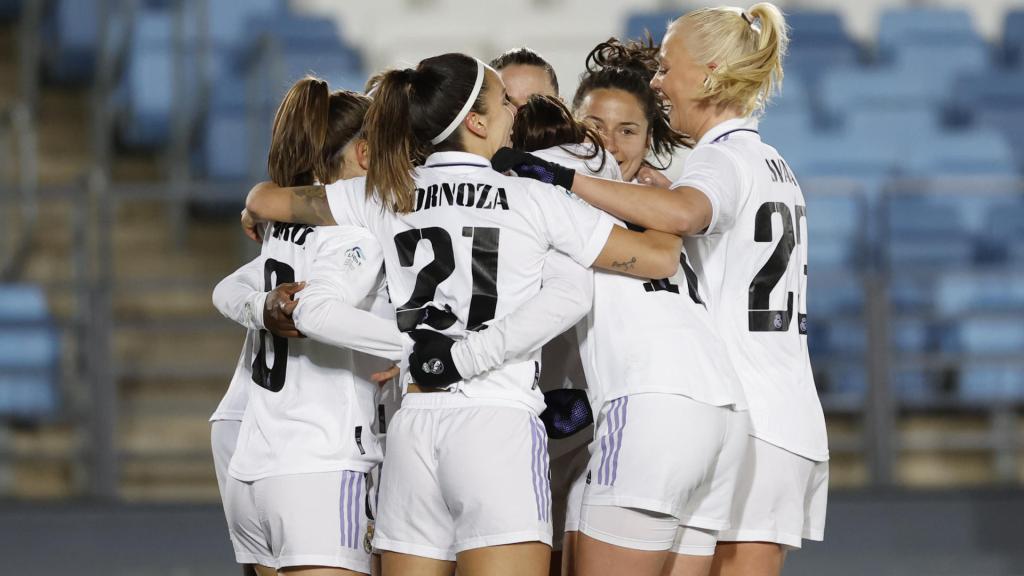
x=648, y=254
x=683, y=211
x=299, y=204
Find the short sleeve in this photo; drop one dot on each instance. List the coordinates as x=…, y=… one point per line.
x=347, y=259
x=347, y=201
x=712, y=170
x=573, y=226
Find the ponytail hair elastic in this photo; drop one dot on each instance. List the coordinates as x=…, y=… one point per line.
x=754, y=23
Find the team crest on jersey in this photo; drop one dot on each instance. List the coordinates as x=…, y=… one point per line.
x=777, y=321
x=354, y=258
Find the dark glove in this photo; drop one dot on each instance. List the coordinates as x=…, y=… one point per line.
x=431, y=361
x=526, y=165
x=568, y=411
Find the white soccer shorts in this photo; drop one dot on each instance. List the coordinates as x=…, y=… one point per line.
x=780, y=497
x=668, y=454
x=236, y=496
x=459, y=475
x=316, y=519
x=568, y=478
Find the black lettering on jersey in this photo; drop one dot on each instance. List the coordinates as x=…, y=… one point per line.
x=464, y=194
x=295, y=233
x=780, y=171
x=485, y=195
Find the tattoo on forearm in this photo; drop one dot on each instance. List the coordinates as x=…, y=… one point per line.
x=309, y=206
x=624, y=266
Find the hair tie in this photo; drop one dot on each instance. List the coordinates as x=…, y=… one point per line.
x=465, y=107
x=754, y=23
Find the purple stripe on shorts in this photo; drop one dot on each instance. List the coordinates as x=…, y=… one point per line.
x=342, y=504
x=545, y=477
x=618, y=441
x=533, y=467
x=357, y=497
x=611, y=443
x=546, y=474
x=353, y=511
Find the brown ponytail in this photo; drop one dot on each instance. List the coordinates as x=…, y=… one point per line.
x=545, y=122
x=299, y=134
x=389, y=133
x=410, y=108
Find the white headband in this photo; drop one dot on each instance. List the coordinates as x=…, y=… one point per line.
x=465, y=108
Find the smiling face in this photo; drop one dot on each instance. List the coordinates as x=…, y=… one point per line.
x=525, y=80
x=620, y=120
x=680, y=81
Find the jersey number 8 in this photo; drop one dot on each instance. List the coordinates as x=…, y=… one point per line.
x=272, y=377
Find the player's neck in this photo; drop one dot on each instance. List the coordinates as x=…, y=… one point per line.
x=714, y=118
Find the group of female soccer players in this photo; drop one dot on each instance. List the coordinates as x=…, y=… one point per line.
x=461, y=221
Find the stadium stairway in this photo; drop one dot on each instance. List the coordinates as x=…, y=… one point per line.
x=172, y=352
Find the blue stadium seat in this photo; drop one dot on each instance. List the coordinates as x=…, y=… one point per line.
x=816, y=27
x=146, y=96
x=971, y=152
x=227, y=152
x=1005, y=220
x=828, y=296
x=986, y=382
x=29, y=354
x=909, y=293
x=68, y=40
x=843, y=156
x=944, y=61
x=934, y=252
x=900, y=127
x=227, y=21
x=836, y=230
x=912, y=385
x=22, y=303
x=980, y=336
x=845, y=90
x=784, y=124
x=914, y=336
x=929, y=26
x=965, y=291
x=795, y=95
x=818, y=43
x=639, y=23
x=1013, y=38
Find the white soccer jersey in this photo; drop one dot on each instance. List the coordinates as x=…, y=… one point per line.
x=307, y=410
x=650, y=336
x=753, y=258
x=239, y=297
x=472, y=250
x=574, y=156
x=655, y=336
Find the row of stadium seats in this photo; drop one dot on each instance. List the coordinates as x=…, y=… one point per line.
x=29, y=354
x=170, y=73
x=950, y=257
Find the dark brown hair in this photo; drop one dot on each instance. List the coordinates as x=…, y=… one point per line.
x=525, y=57
x=410, y=108
x=311, y=128
x=545, y=122
x=630, y=67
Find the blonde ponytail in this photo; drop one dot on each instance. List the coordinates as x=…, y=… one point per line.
x=747, y=48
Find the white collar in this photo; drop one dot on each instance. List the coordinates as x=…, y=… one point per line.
x=446, y=159
x=747, y=125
